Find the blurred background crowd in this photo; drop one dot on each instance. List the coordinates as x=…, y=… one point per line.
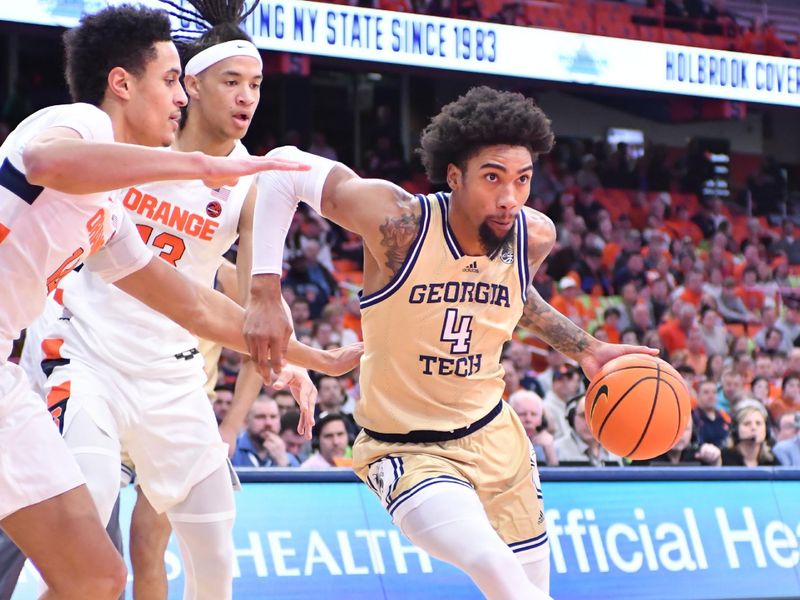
x=693, y=249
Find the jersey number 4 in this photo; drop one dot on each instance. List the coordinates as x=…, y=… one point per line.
x=457, y=330
x=172, y=246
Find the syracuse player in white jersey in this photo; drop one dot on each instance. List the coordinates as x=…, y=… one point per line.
x=56, y=213
x=123, y=376
x=447, y=278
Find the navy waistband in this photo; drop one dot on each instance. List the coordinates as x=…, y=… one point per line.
x=427, y=436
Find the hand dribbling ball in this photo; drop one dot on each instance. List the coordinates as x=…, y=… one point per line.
x=637, y=406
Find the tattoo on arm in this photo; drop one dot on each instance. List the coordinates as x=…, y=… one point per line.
x=553, y=327
x=398, y=235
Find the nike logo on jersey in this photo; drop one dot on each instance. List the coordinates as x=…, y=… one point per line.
x=185, y=221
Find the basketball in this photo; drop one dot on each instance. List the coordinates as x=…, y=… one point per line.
x=637, y=406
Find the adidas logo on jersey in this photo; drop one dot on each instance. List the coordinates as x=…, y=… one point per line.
x=471, y=267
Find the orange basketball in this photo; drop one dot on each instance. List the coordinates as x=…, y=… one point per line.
x=637, y=406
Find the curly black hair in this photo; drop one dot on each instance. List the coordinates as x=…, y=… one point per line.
x=482, y=117
x=121, y=36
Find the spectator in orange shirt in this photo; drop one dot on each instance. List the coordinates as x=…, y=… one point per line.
x=692, y=289
x=752, y=297
x=674, y=332
x=718, y=254
x=696, y=350
x=611, y=324
x=614, y=245
x=789, y=400
x=567, y=303
x=682, y=226
x=752, y=258
x=638, y=211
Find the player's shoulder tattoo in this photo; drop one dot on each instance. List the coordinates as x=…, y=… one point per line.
x=398, y=233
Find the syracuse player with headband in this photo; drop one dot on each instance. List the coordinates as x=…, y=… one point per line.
x=447, y=278
x=56, y=169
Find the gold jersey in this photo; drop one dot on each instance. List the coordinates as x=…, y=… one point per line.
x=434, y=334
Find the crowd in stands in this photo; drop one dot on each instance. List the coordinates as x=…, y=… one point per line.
x=636, y=261
x=640, y=258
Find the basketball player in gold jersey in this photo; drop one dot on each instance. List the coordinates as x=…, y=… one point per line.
x=447, y=278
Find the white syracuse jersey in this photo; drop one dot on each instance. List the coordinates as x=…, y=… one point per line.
x=183, y=222
x=45, y=234
x=433, y=335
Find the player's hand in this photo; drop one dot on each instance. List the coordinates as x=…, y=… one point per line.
x=297, y=381
x=596, y=356
x=345, y=359
x=709, y=454
x=331, y=362
x=267, y=330
x=225, y=171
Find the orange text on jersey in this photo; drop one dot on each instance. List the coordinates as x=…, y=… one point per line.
x=187, y=222
x=95, y=229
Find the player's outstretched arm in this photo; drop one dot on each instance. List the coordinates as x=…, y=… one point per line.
x=550, y=325
x=363, y=206
x=211, y=315
x=60, y=159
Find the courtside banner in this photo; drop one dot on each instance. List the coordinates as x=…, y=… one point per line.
x=431, y=42
x=610, y=539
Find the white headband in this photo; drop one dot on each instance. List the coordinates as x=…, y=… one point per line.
x=210, y=56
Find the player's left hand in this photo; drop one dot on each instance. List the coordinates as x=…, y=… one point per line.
x=344, y=359
x=267, y=327
x=297, y=381
x=596, y=356
x=219, y=171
